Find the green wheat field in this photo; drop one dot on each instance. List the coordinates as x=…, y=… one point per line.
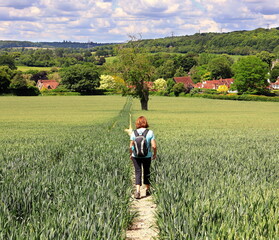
x=65, y=171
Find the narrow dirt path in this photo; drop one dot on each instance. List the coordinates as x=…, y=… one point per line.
x=143, y=227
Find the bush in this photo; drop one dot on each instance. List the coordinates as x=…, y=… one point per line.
x=160, y=84
x=170, y=84
x=210, y=91
x=195, y=91
x=239, y=97
x=26, y=91
x=183, y=94
x=52, y=93
x=61, y=90
x=178, y=88
x=158, y=93
x=203, y=90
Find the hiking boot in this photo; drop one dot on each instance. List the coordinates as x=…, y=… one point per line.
x=148, y=192
x=137, y=195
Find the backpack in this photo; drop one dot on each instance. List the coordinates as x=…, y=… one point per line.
x=140, y=144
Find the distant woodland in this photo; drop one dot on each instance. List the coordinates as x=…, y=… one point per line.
x=233, y=43
x=63, y=44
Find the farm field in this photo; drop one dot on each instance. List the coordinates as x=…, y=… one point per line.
x=27, y=68
x=218, y=169
x=59, y=176
x=110, y=59
x=65, y=171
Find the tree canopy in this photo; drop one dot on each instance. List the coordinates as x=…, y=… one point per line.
x=7, y=60
x=83, y=78
x=235, y=43
x=5, y=80
x=250, y=74
x=136, y=70
x=274, y=74
x=220, y=68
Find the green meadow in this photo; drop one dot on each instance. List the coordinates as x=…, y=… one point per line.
x=27, y=68
x=110, y=59
x=65, y=171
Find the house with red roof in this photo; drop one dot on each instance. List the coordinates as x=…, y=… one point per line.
x=275, y=85
x=187, y=81
x=214, y=84
x=47, y=84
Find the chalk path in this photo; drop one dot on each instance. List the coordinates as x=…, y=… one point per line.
x=144, y=226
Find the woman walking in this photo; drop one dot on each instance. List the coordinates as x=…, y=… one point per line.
x=142, y=150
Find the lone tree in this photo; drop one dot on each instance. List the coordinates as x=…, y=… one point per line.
x=250, y=74
x=135, y=68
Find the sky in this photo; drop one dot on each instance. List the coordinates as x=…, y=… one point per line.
x=110, y=21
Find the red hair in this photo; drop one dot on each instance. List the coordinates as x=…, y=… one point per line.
x=141, y=122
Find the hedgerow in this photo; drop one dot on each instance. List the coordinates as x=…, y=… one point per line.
x=238, y=97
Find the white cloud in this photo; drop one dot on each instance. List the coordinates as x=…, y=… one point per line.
x=17, y=4
x=26, y=12
x=113, y=20
x=120, y=13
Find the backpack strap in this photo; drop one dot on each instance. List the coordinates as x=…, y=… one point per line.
x=145, y=132
x=136, y=133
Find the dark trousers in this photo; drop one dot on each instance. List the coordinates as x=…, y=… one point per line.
x=139, y=164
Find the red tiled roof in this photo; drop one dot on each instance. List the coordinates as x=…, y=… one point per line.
x=187, y=81
x=274, y=85
x=198, y=85
x=48, y=84
x=214, y=84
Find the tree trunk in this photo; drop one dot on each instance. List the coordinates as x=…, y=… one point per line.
x=144, y=104
x=144, y=100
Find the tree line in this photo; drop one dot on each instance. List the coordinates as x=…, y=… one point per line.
x=133, y=67
x=233, y=43
x=58, y=57
x=64, y=44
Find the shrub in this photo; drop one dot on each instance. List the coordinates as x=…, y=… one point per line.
x=26, y=91
x=239, y=97
x=178, y=88
x=210, y=91
x=195, y=91
x=160, y=84
x=222, y=89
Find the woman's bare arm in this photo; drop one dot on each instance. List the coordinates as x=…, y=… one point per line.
x=130, y=148
x=154, y=148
